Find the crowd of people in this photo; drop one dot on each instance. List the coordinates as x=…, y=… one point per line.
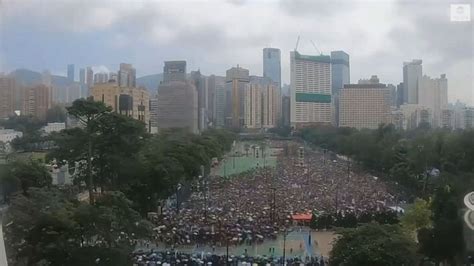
x=177, y=259
x=257, y=205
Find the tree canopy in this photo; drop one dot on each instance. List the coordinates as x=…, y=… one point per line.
x=373, y=244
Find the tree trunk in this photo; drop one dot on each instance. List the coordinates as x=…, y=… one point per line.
x=89, y=171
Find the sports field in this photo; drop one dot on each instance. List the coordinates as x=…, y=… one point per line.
x=244, y=157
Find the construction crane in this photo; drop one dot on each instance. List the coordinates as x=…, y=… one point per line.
x=297, y=42
x=315, y=47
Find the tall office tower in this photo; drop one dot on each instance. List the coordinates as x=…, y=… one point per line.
x=271, y=106
x=154, y=114
x=200, y=82
x=340, y=70
x=213, y=82
x=70, y=72
x=129, y=101
x=82, y=76
x=174, y=71
x=400, y=88
x=177, y=99
x=285, y=110
x=236, y=80
x=7, y=96
x=127, y=76
x=272, y=65
x=89, y=77
x=36, y=101
x=340, y=76
x=253, y=106
x=433, y=94
x=73, y=92
x=310, y=89
x=220, y=105
x=393, y=94
x=412, y=74
x=101, y=78
x=364, y=105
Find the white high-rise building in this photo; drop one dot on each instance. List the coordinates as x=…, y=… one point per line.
x=412, y=74
x=433, y=94
x=310, y=89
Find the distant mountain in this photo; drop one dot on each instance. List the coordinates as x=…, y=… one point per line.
x=26, y=77
x=150, y=82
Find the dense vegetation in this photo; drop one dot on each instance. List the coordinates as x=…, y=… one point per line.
x=126, y=171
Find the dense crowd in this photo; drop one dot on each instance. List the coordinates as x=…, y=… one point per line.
x=258, y=204
x=176, y=259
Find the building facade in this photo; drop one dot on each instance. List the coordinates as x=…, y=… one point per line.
x=272, y=65
x=310, y=89
x=36, y=101
x=7, y=96
x=412, y=75
x=433, y=94
x=89, y=77
x=364, y=105
x=8, y=135
x=129, y=101
x=215, y=83
x=253, y=106
x=271, y=106
x=174, y=71
x=126, y=75
x=177, y=106
x=70, y=72
x=200, y=82
x=154, y=114
x=237, y=79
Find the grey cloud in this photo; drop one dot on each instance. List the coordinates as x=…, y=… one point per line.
x=315, y=7
x=433, y=31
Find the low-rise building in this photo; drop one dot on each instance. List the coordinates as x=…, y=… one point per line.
x=53, y=127
x=8, y=135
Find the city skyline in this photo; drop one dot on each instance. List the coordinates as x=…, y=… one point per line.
x=386, y=34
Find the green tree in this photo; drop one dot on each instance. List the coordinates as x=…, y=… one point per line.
x=417, y=216
x=373, y=244
x=30, y=173
x=444, y=242
x=87, y=111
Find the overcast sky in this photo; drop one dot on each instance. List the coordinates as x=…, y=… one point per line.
x=216, y=35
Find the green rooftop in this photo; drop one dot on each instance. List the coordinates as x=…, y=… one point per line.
x=316, y=58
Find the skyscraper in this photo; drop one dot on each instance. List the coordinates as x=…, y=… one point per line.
x=412, y=74
x=310, y=89
x=285, y=110
x=433, y=94
x=70, y=72
x=200, y=82
x=90, y=77
x=214, y=83
x=126, y=75
x=154, y=114
x=272, y=65
x=236, y=80
x=340, y=70
x=174, y=71
x=364, y=105
x=82, y=76
x=7, y=96
x=253, y=106
x=36, y=101
x=271, y=106
x=177, y=99
x=340, y=75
